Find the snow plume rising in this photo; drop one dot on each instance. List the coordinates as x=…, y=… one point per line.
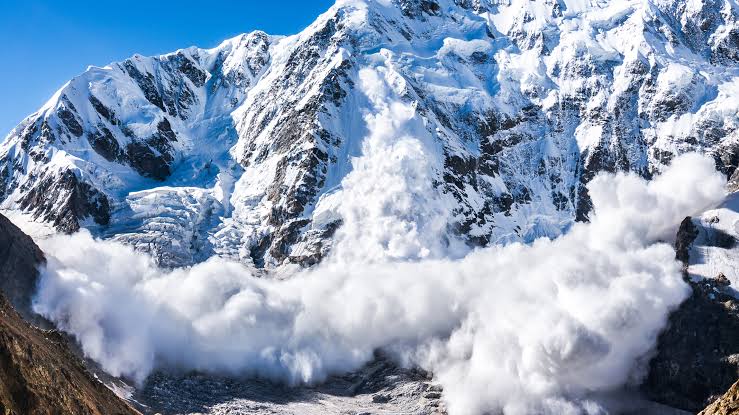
x=388, y=203
x=522, y=328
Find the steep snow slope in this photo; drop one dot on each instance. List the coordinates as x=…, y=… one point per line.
x=441, y=124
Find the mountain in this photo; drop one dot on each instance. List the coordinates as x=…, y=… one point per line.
x=39, y=373
x=490, y=114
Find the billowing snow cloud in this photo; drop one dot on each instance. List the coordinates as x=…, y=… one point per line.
x=522, y=328
x=389, y=205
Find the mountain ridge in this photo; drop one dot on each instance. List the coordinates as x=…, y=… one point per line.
x=242, y=151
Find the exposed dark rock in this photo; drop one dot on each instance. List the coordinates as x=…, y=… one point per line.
x=164, y=128
x=28, y=135
x=64, y=200
x=104, y=111
x=722, y=280
x=258, y=250
x=66, y=114
x=146, y=162
x=698, y=353
x=175, y=97
x=319, y=246
x=153, y=157
x=39, y=374
x=686, y=234
x=187, y=67
x=285, y=238
x=726, y=50
x=727, y=159
x=476, y=5
x=417, y=8
x=146, y=83
x=457, y=169
x=19, y=259
x=733, y=184
x=105, y=144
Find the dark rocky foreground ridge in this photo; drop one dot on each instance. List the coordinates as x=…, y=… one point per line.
x=698, y=355
x=39, y=373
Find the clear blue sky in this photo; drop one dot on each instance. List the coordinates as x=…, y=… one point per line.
x=45, y=43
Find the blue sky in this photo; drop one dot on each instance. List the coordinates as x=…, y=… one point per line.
x=45, y=43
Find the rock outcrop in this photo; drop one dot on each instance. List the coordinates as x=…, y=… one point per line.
x=698, y=353
x=39, y=373
x=728, y=404
x=19, y=261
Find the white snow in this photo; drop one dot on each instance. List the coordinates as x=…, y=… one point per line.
x=546, y=79
x=519, y=329
x=543, y=54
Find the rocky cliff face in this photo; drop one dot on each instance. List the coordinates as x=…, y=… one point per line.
x=697, y=356
x=39, y=374
x=19, y=259
x=243, y=150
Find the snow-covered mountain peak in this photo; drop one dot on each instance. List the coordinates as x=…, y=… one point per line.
x=487, y=116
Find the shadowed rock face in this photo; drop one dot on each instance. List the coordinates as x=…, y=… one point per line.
x=698, y=354
x=62, y=199
x=19, y=257
x=38, y=372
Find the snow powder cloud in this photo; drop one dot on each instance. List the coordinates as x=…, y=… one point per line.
x=520, y=328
